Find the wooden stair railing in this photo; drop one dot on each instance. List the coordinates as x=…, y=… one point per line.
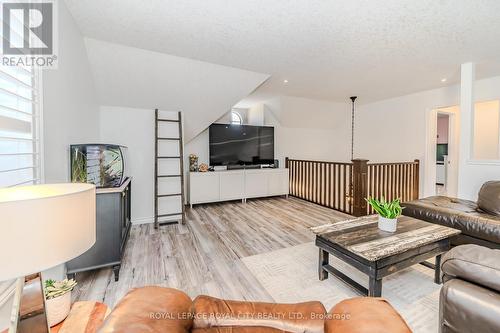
x=344, y=186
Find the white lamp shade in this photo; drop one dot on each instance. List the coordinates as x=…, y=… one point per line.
x=42, y=226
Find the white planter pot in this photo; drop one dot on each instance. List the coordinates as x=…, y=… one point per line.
x=386, y=224
x=58, y=308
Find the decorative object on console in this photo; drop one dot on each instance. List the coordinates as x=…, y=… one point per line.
x=100, y=164
x=218, y=168
x=388, y=213
x=203, y=167
x=60, y=220
x=58, y=299
x=193, y=163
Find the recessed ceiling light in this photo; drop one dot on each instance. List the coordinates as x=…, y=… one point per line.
x=285, y=81
x=444, y=79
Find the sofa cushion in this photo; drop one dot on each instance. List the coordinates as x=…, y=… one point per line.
x=365, y=315
x=211, y=312
x=456, y=213
x=151, y=310
x=473, y=263
x=489, y=198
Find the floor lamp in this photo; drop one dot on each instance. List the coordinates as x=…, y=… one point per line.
x=41, y=226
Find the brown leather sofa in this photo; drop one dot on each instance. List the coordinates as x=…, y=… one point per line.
x=158, y=309
x=470, y=296
x=479, y=221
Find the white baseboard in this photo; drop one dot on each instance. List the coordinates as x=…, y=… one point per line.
x=145, y=220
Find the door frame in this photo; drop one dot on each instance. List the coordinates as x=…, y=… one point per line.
x=453, y=113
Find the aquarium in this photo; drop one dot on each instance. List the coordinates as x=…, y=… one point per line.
x=100, y=164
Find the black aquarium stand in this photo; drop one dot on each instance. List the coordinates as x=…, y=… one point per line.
x=112, y=230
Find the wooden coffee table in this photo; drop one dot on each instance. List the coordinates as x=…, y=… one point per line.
x=377, y=253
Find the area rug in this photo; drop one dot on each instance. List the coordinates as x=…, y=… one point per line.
x=291, y=275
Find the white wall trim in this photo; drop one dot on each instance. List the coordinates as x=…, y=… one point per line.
x=146, y=220
x=143, y=220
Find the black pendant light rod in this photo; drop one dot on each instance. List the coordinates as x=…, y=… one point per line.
x=353, y=99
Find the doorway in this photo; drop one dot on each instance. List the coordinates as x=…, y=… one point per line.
x=442, y=144
x=442, y=152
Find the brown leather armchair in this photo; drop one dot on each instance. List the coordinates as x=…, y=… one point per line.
x=157, y=309
x=470, y=297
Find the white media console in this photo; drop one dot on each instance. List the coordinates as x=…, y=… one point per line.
x=205, y=187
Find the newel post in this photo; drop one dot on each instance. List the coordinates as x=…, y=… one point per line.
x=416, y=181
x=286, y=162
x=359, y=186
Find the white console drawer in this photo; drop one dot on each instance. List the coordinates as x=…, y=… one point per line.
x=278, y=182
x=256, y=184
x=204, y=187
x=232, y=185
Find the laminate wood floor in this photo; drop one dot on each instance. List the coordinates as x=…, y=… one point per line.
x=203, y=256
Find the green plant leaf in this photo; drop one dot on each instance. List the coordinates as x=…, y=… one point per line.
x=390, y=210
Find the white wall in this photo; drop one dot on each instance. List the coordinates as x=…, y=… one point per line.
x=256, y=115
x=395, y=130
x=134, y=128
x=309, y=128
x=70, y=107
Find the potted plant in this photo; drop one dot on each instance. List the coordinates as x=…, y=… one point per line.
x=388, y=213
x=58, y=299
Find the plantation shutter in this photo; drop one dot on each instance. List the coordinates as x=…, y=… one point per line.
x=20, y=160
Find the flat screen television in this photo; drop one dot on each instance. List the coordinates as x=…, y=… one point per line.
x=241, y=145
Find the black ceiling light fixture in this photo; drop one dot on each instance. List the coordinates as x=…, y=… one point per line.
x=353, y=99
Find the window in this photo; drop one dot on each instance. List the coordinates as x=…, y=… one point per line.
x=236, y=118
x=486, y=132
x=20, y=160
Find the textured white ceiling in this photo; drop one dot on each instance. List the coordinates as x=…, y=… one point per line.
x=327, y=49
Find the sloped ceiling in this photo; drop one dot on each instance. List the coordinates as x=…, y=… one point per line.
x=132, y=77
x=325, y=49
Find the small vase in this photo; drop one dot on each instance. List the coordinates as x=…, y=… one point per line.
x=386, y=224
x=58, y=308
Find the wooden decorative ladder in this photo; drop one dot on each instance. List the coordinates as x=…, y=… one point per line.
x=165, y=218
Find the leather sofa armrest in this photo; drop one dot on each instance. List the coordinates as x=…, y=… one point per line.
x=212, y=312
x=365, y=315
x=475, y=264
x=468, y=308
x=150, y=310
